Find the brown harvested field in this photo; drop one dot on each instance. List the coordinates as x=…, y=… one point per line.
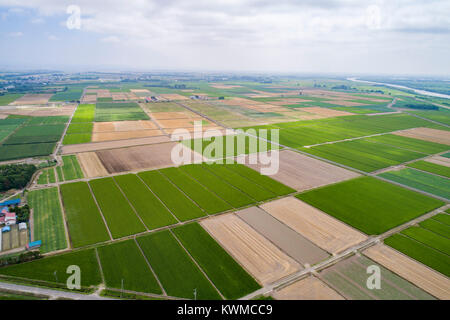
x=443, y=161
x=173, y=96
x=327, y=112
x=122, y=135
x=427, y=134
x=224, y=86
x=181, y=123
x=91, y=165
x=290, y=242
x=3, y=116
x=254, y=252
x=418, y=274
x=94, y=146
x=310, y=288
x=121, y=126
x=302, y=172
x=119, y=96
x=65, y=110
x=103, y=93
x=38, y=98
x=323, y=230
x=139, y=91
x=212, y=131
x=174, y=115
x=89, y=98
x=139, y=158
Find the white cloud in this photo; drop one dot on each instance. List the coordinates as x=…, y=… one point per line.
x=53, y=38
x=111, y=39
x=15, y=34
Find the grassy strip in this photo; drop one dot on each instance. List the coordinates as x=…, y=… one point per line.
x=149, y=208
x=370, y=205
x=409, y=143
x=48, y=219
x=182, y=207
x=420, y=252
x=123, y=261
x=203, y=197
x=437, y=227
x=85, y=223
x=227, y=275
x=175, y=269
x=120, y=217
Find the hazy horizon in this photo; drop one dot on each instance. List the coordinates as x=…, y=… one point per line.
x=330, y=37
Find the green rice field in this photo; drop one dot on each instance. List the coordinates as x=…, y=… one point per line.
x=118, y=111
x=430, y=183
x=431, y=167
x=174, y=268
x=370, y=205
x=71, y=168
x=119, y=215
x=47, y=219
x=47, y=176
x=85, y=223
x=226, y=274
x=84, y=113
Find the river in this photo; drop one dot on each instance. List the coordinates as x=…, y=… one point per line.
x=422, y=92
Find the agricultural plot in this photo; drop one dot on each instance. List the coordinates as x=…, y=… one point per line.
x=370, y=205
x=117, y=111
x=9, y=97
x=84, y=220
x=138, y=158
x=48, y=120
x=36, y=134
x=226, y=274
x=227, y=192
x=424, y=246
x=30, y=99
x=152, y=211
x=204, y=198
x=430, y=183
x=349, y=278
x=71, y=169
x=418, y=274
x=91, y=165
x=47, y=219
x=302, y=173
x=20, y=151
x=53, y=269
x=47, y=176
x=84, y=113
x=227, y=146
x=292, y=243
x=363, y=154
x=322, y=230
x=431, y=167
x=77, y=138
x=81, y=127
x=175, y=269
x=123, y=264
x=255, y=253
x=411, y=144
x=119, y=215
x=180, y=205
x=310, y=288
x=427, y=134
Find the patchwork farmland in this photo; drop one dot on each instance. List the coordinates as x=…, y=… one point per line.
x=358, y=183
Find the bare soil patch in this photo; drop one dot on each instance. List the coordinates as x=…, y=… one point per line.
x=139, y=158
x=310, y=288
x=122, y=126
x=91, y=165
x=121, y=135
x=254, y=252
x=325, y=231
x=302, y=172
x=327, y=112
x=429, y=280
x=439, y=160
x=93, y=146
x=289, y=241
x=31, y=98
x=42, y=111
x=427, y=134
x=173, y=96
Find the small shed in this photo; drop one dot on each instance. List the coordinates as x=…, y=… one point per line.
x=23, y=226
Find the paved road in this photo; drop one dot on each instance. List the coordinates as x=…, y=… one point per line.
x=52, y=293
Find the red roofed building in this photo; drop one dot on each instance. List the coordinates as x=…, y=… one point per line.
x=10, y=218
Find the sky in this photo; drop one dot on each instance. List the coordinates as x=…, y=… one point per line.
x=289, y=36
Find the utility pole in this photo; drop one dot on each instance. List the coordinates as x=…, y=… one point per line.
x=56, y=277
x=121, y=292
